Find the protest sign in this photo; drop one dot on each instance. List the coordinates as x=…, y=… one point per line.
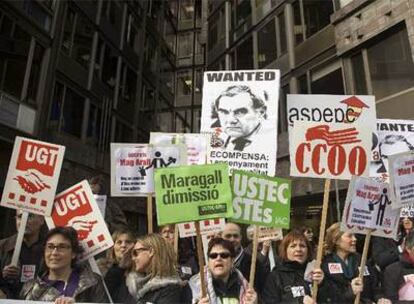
x=197, y=145
x=367, y=206
x=76, y=207
x=261, y=200
x=401, y=172
x=392, y=136
x=101, y=202
x=239, y=109
x=407, y=211
x=330, y=136
x=192, y=193
x=206, y=227
x=270, y=234
x=33, y=176
x=132, y=166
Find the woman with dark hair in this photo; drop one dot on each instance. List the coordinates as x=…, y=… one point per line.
x=225, y=284
x=286, y=283
x=64, y=281
x=155, y=279
x=340, y=264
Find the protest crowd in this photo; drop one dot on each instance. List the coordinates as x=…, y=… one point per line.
x=223, y=231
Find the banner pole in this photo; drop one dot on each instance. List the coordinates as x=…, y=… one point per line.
x=254, y=257
x=19, y=241
x=200, y=259
x=176, y=236
x=150, y=227
x=96, y=269
x=363, y=261
x=321, y=234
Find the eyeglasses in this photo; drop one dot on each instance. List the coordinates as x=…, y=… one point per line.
x=229, y=236
x=59, y=247
x=215, y=255
x=137, y=251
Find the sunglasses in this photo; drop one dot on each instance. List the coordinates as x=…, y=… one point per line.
x=215, y=255
x=137, y=251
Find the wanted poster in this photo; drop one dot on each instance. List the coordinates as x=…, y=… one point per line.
x=33, y=176
x=76, y=207
x=401, y=172
x=239, y=110
x=330, y=136
x=368, y=206
x=132, y=166
x=392, y=136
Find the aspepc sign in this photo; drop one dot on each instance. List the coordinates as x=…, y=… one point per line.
x=33, y=176
x=330, y=136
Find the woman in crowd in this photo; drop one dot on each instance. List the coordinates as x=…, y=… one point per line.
x=340, y=266
x=286, y=283
x=155, y=279
x=308, y=233
x=64, y=281
x=224, y=282
x=118, y=263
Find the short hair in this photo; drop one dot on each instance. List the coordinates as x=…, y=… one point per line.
x=163, y=262
x=409, y=240
x=333, y=234
x=70, y=234
x=232, y=91
x=226, y=244
x=160, y=228
x=98, y=180
x=294, y=235
x=117, y=233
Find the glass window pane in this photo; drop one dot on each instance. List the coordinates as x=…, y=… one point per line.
x=391, y=64
x=329, y=84
x=298, y=27
x=82, y=43
x=266, y=37
x=73, y=113
x=186, y=10
x=57, y=102
x=185, y=44
x=358, y=72
x=303, y=84
x=282, y=33
x=317, y=15
x=245, y=55
x=35, y=72
x=184, y=83
x=67, y=32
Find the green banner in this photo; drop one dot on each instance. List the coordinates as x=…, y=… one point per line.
x=192, y=193
x=261, y=200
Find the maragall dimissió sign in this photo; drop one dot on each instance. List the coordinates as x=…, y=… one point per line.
x=192, y=193
x=261, y=200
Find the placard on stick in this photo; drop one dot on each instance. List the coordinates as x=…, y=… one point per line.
x=402, y=179
x=76, y=207
x=33, y=175
x=206, y=227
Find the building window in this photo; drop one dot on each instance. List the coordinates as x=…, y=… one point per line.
x=72, y=113
x=331, y=83
x=131, y=36
x=170, y=35
x=389, y=62
x=310, y=17
x=303, y=84
x=35, y=73
x=94, y=124
x=109, y=66
x=184, y=83
x=38, y=12
x=186, y=10
x=82, y=42
x=167, y=73
x=243, y=12
x=267, y=48
x=281, y=30
x=128, y=85
x=123, y=133
x=185, y=42
x=216, y=26
x=245, y=55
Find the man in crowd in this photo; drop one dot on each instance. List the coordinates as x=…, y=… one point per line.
x=243, y=260
x=240, y=115
x=12, y=277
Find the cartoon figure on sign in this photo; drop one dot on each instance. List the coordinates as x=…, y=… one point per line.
x=159, y=162
x=82, y=227
x=31, y=182
x=382, y=202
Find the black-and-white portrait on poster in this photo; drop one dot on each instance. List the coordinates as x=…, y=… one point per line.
x=239, y=110
x=393, y=136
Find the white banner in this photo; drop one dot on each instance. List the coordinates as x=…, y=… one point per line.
x=368, y=206
x=407, y=211
x=206, y=227
x=33, y=176
x=239, y=109
x=392, y=136
x=270, y=234
x=198, y=145
x=401, y=172
x=76, y=207
x=330, y=136
x=101, y=202
x=132, y=166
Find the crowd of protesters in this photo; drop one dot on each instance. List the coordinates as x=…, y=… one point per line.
x=148, y=269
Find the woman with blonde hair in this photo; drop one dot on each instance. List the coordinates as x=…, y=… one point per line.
x=155, y=278
x=340, y=266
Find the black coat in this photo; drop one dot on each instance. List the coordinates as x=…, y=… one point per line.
x=286, y=284
x=384, y=251
x=338, y=286
x=394, y=278
x=170, y=294
x=115, y=281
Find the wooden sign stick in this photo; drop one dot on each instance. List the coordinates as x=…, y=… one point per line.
x=19, y=241
x=363, y=261
x=150, y=227
x=254, y=257
x=176, y=236
x=321, y=234
x=200, y=259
